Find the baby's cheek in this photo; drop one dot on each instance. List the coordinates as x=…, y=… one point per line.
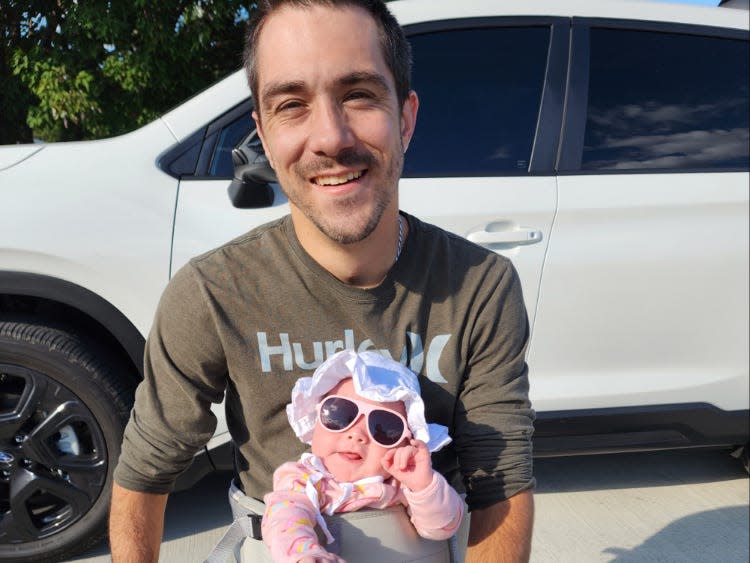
x=322, y=441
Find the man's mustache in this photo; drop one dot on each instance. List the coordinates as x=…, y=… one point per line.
x=349, y=159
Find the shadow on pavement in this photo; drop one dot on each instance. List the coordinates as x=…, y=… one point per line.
x=645, y=469
x=709, y=536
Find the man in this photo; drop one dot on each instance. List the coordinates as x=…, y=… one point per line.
x=333, y=107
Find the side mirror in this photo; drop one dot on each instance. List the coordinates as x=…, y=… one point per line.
x=250, y=188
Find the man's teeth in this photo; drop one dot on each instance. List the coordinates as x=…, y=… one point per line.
x=336, y=180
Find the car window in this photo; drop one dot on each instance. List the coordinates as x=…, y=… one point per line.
x=227, y=138
x=480, y=94
x=666, y=101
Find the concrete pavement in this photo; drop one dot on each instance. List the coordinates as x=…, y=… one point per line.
x=663, y=506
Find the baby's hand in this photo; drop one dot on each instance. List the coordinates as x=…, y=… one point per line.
x=410, y=464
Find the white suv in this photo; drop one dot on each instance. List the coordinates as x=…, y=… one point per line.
x=602, y=146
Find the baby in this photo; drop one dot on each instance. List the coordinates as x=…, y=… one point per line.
x=371, y=446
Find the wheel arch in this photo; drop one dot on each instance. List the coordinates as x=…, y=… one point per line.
x=34, y=294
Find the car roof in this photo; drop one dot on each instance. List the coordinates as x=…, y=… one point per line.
x=413, y=11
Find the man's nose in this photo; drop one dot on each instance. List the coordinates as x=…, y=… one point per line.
x=330, y=130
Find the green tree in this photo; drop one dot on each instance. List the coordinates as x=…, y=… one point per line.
x=85, y=69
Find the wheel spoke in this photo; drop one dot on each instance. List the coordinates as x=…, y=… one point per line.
x=40, y=505
x=67, y=439
x=23, y=396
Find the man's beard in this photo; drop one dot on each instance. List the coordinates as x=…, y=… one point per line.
x=349, y=234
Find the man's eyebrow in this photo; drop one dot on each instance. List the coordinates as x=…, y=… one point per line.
x=275, y=89
x=360, y=77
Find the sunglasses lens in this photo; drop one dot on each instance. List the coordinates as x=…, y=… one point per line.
x=385, y=427
x=337, y=413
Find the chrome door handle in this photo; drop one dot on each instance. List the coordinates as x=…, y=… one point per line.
x=515, y=237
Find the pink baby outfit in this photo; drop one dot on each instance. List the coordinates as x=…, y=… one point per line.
x=304, y=489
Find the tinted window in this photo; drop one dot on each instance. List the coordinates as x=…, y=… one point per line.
x=669, y=101
x=479, y=91
x=229, y=136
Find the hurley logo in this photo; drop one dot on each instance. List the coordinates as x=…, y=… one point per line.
x=285, y=354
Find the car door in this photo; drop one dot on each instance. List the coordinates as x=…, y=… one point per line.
x=644, y=299
x=481, y=160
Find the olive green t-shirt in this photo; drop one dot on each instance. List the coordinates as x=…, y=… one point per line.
x=252, y=316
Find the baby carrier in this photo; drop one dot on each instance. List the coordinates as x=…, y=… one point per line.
x=364, y=536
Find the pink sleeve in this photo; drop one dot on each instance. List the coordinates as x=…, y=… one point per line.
x=436, y=510
x=289, y=521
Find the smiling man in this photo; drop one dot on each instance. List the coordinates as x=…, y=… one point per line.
x=335, y=113
x=335, y=131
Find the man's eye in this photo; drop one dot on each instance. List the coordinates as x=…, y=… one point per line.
x=290, y=105
x=359, y=95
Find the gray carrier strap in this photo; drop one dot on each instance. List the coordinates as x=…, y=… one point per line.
x=364, y=536
x=247, y=514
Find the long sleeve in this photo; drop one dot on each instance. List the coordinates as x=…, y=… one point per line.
x=493, y=421
x=290, y=518
x=437, y=510
x=185, y=372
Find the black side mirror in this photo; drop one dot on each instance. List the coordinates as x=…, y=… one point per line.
x=250, y=188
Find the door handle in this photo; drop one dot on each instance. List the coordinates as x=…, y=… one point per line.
x=515, y=237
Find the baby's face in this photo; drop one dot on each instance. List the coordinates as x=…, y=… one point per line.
x=351, y=455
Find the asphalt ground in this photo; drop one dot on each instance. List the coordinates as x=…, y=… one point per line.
x=679, y=506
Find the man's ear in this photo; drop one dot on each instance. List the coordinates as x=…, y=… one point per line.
x=409, y=118
x=259, y=129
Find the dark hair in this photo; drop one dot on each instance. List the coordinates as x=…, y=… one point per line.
x=395, y=47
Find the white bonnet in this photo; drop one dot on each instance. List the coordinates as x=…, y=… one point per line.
x=376, y=378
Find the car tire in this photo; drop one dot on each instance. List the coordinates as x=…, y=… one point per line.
x=64, y=403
